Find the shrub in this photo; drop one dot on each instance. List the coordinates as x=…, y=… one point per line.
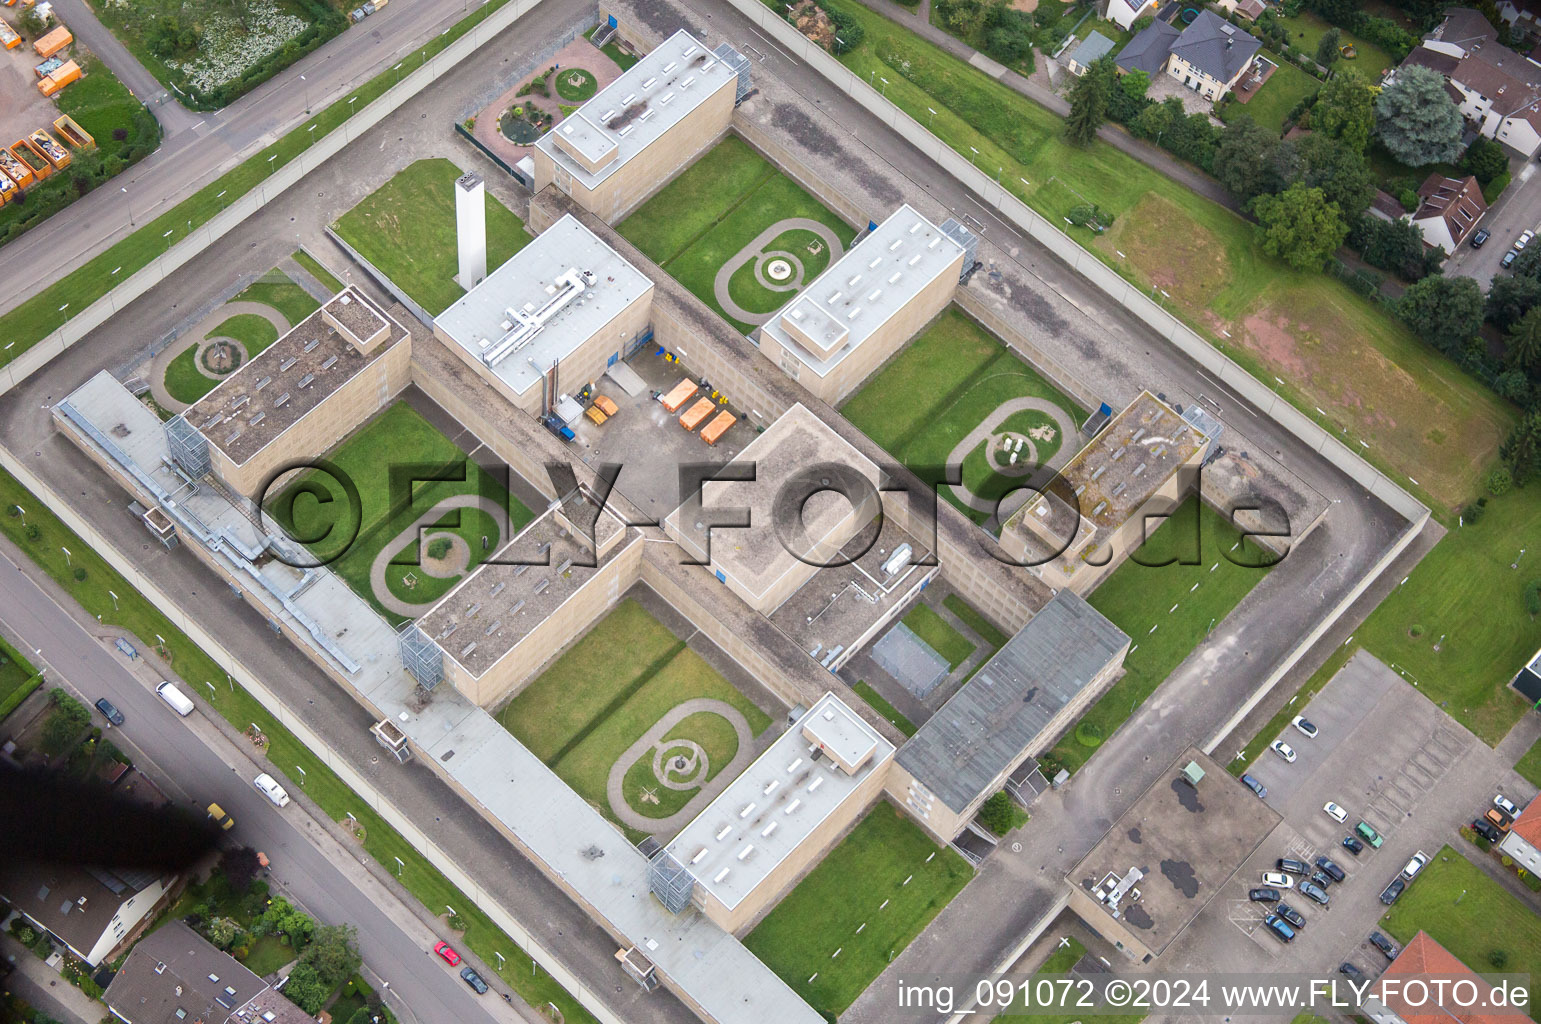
x=439, y=547
x=1417, y=630
x=996, y=813
x=33, y=533
x=1499, y=481
x=1474, y=512
x=1533, y=597
x=1089, y=734
x=1498, y=959
x=80, y=575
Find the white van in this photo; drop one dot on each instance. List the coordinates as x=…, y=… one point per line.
x=174, y=697
x=269, y=787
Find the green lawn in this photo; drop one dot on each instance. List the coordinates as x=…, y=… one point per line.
x=895, y=864
x=254, y=332
x=397, y=443
x=134, y=613
x=184, y=380
x=317, y=271
x=15, y=673
x=1278, y=96
x=1472, y=916
x=406, y=228
x=1306, y=31
x=1059, y=963
x=881, y=705
x=1529, y=765
x=943, y=385
x=939, y=635
x=623, y=60
x=1139, y=597
x=275, y=290
x=716, y=207
x=1333, y=348
x=975, y=621
x=267, y=954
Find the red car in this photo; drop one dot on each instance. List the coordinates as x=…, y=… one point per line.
x=447, y=951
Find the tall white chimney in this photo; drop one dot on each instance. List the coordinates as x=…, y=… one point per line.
x=471, y=228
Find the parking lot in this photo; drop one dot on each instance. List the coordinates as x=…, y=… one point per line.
x=1385, y=755
x=1518, y=209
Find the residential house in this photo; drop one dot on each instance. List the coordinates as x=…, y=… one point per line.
x=1093, y=48
x=174, y=976
x=1124, y=13
x=1251, y=10
x=1523, y=840
x=1449, y=210
x=91, y=911
x=1385, y=205
x=1209, y=56
x=1497, y=90
x=1427, y=960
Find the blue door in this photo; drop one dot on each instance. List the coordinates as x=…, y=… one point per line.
x=721, y=577
x=612, y=21
x=614, y=358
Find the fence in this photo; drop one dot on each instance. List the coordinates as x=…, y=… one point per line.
x=516, y=174
x=184, y=251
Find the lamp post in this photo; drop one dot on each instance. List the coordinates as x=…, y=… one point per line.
x=307, y=93
x=933, y=117
x=399, y=865
x=114, y=600
x=212, y=692
x=302, y=774
x=130, y=202
x=66, y=555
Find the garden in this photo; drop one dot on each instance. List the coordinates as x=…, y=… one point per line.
x=18, y=679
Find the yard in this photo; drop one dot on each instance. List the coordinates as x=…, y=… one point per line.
x=925, y=400
x=187, y=383
x=613, y=50
x=904, y=881
x=939, y=635
x=716, y=208
x=1162, y=613
x=276, y=290
x=1064, y=957
x=1306, y=31
x=17, y=679
x=1476, y=919
x=397, y=441
x=1285, y=87
x=406, y=228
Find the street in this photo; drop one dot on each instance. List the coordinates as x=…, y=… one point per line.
x=202, y=766
x=1517, y=210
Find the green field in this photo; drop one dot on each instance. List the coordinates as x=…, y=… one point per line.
x=608, y=689
x=884, y=852
x=939, y=635
x=398, y=442
x=406, y=228
x=1278, y=96
x=184, y=381
x=1137, y=597
x=943, y=385
x=716, y=207
x=975, y=621
x=1306, y=31
x=275, y=290
x=317, y=271
x=254, y=332
x=880, y=704
x=1472, y=916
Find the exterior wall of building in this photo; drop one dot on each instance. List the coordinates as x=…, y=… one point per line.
x=916, y=800
x=1098, y=920
x=1436, y=233
x=1525, y=855
x=1125, y=13
x=525, y=660
x=134, y=912
x=1209, y=87
x=1518, y=133
x=370, y=390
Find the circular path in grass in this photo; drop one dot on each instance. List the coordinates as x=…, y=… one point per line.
x=576, y=84
x=995, y=423
x=758, y=252
x=190, y=375
x=615, y=785
x=378, y=582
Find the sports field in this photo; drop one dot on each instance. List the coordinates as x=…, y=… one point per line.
x=717, y=207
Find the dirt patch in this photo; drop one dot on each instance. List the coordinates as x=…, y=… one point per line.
x=1171, y=252
x=809, y=19
x=1025, y=6
x=1275, y=342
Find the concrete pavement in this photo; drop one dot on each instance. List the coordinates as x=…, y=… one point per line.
x=42, y=986
x=1517, y=210
x=86, y=28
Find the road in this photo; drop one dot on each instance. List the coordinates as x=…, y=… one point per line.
x=1517, y=210
x=192, y=753
x=197, y=148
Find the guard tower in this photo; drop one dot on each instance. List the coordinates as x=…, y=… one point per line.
x=471, y=228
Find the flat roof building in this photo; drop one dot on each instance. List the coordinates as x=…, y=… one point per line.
x=1168, y=855
x=1094, y=511
x=635, y=134
x=867, y=304
x=566, y=298
x=787, y=808
x=1016, y=706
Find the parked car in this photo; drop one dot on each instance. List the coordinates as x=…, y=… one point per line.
x=1385, y=945
x=1281, y=931
x=445, y=950
x=474, y=980
x=1389, y=894
x=1353, y=845
x=1294, y=867
x=1278, y=880
x=1304, y=727
x=1335, y=812
x=218, y=816
x=1283, y=750
x=1415, y=865
x=1312, y=891
x=1349, y=971
x=168, y=692
x=1506, y=805
x=1290, y=914
x=1263, y=895
x=1254, y=785
x=1486, y=830
x=1368, y=834
x=1332, y=870
x=269, y=787
x=109, y=712
x=1509, y=258
x=1320, y=880
x=1500, y=820
x=1480, y=237
x=1523, y=240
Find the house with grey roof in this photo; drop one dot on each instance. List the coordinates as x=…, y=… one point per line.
x=174, y=976
x=1209, y=56
x=1016, y=706
x=1081, y=56
x=90, y=911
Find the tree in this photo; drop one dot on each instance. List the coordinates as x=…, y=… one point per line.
x=1089, y=102
x=1135, y=83
x=1327, y=49
x=1513, y=385
x=1416, y=119
x=1192, y=138
x=223, y=932
x=1510, y=298
x=1395, y=245
x=240, y=866
x=1156, y=120
x=1317, y=161
x=1522, y=346
x=1446, y=312
x=68, y=718
x=1345, y=110
x=995, y=813
x=1521, y=452
x=1244, y=159
x=306, y=990
x=1299, y=226
x=333, y=954
x=1484, y=160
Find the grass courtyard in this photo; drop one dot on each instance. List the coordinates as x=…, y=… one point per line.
x=905, y=881
x=187, y=383
x=944, y=384
x=1285, y=87
x=720, y=204
x=379, y=460
x=601, y=696
x=406, y=228
x=1475, y=918
x=1163, y=614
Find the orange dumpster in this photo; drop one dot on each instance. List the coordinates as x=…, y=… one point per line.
x=680, y=395
x=58, y=79
x=72, y=133
x=718, y=427
x=8, y=35
x=22, y=150
x=8, y=190
x=50, y=43
x=18, y=172
x=606, y=406
x=696, y=414
x=54, y=153
x=595, y=413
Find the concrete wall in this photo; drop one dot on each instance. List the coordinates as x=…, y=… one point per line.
x=382, y=280
x=188, y=249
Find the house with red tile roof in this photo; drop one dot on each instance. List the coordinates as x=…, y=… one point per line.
x=1523, y=841
x=1423, y=958
x=1449, y=211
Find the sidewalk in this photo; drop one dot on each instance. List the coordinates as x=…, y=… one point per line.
x=45, y=982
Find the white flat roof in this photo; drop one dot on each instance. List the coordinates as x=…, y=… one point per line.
x=780, y=800
x=632, y=112
x=862, y=289
x=532, y=311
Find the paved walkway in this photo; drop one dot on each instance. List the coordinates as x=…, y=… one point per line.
x=200, y=336
x=755, y=250
x=45, y=981
x=390, y=548
x=615, y=791
x=987, y=428
x=580, y=53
